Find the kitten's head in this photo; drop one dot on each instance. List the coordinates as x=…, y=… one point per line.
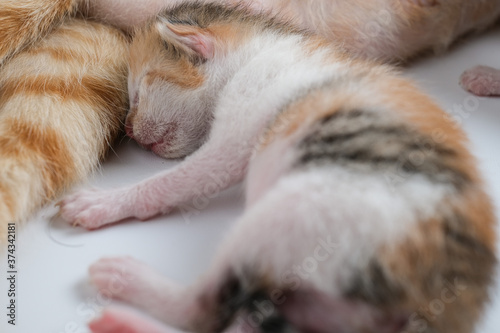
x=178, y=65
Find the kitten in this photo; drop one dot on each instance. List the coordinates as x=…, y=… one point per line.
x=363, y=206
x=63, y=99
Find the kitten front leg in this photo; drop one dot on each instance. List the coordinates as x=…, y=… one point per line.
x=94, y=208
x=218, y=164
x=481, y=81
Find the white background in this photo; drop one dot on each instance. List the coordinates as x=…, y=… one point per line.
x=54, y=295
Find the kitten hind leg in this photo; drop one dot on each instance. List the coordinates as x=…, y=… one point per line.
x=481, y=81
x=208, y=305
x=133, y=282
x=248, y=269
x=118, y=320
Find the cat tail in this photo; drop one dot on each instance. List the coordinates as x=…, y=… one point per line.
x=23, y=22
x=62, y=102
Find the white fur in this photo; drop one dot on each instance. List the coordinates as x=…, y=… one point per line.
x=358, y=212
x=292, y=216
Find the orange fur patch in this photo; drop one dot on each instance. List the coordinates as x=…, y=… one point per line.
x=147, y=48
x=27, y=22
x=404, y=98
x=431, y=262
x=107, y=97
x=59, y=54
x=7, y=198
x=79, y=34
x=181, y=73
x=231, y=36
x=476, y=206
x=91, y=89
x=43, y=146
x=301, y=113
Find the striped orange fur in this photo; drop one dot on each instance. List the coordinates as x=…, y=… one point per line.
x=23, y=22
x=62, y=102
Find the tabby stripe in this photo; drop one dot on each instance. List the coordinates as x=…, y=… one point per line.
x=377, y=145
x=467, y=256
x=341, y=137
x=372, y=286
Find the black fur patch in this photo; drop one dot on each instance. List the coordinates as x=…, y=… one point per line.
x=233, y=299
x=372, y=286
x=467, y=258
x=364, y=140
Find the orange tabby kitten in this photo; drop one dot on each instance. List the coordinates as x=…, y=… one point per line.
x=62, y=101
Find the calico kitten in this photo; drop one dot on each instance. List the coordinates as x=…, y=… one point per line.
x=364, y=210
x=63, y=100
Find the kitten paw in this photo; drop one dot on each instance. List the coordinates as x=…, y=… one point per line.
x=481, y=81
x=128, y=280
x=116, y=320
x=94, y=208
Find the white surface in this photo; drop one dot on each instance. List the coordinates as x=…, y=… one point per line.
x=53, y=293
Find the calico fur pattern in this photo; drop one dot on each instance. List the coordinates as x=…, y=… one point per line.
x=327, y=145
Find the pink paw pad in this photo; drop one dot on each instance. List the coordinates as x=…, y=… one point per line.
x=125, y=321
x=111, y=322
x=481, y=81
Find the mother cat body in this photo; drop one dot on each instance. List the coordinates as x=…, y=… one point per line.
x=344, y=130
x=388, y=30
x=363, y=203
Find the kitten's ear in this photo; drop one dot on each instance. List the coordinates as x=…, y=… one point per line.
x=192, y=38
